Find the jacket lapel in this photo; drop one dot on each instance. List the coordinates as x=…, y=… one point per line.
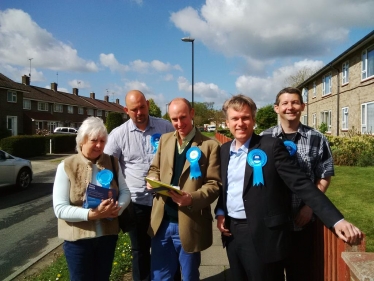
x=253, y=144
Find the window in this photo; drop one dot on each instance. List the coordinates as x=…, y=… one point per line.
x=27, y=104
x=367, y=118
x=99, y=112
x=42, y=106
x=80, y=110
x=39, y=125
x=326, y=84
x=70, y=109
x=304, y=119
x=367, y=63
x=326, y=118
x=12, y=96
x=305, y=95
x=314, y=89
x=345, y=118
x=106, y=113
x=51, y=126
x=90, y=112
x=314, y=121
x=345, y=73
x=58, y=107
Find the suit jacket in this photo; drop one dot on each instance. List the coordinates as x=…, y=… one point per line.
x=268, y=207
x=195, y=224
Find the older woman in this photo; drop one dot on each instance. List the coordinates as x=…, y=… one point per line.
x=90, y=234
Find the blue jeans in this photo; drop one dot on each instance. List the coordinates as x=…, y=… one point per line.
x=141, y=244
x=90, y=259
x=167, y=250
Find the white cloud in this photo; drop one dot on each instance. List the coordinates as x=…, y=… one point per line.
x=138, y=85
x=264, y=89
x=168, y=77
x=264, y=30
x=203, y=92
x=109, y=60
x=21, y=38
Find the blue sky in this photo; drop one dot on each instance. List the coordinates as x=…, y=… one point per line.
x=113, y=46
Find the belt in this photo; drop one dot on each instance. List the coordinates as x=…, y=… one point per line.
x=238, y=220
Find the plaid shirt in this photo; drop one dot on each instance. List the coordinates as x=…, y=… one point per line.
x=313, y=156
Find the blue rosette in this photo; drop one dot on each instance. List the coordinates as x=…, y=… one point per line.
x=193, y=156
x=155, y=138
x=291, y=147
x=104, y=177
x=257, y=158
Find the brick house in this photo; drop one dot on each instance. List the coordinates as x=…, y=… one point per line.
x=341, y=94
x=25, y=108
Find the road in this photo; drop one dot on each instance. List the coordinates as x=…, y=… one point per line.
x=28, y=227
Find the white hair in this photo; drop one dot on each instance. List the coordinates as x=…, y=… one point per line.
x=92, y=127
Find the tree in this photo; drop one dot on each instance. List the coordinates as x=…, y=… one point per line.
x=266, y=117
x=166, y=116
x=154, y=110
x=203, y=112
x=300, y=76
x=113, y=120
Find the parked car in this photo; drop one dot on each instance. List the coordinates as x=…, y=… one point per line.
x=211, y=128
x=65, y=130
x=14, y=171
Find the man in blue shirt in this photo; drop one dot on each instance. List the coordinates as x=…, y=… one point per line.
x=253, y=209
x=133, y=143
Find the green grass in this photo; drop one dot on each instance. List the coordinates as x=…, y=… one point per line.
x=352, y=191
x=209, y=134
x=121, y=264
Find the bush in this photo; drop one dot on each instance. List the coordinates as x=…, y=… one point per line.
x=24, y=146
x=352, y=150
x=113, y=120
x=61, y=143
x=323, y=128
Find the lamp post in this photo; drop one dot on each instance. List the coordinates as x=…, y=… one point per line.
x=191, y=40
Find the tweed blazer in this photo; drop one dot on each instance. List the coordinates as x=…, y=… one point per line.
x=195, y=223
x=268, y=207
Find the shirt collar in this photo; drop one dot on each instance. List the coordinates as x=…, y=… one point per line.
x=189, y=137
x=301, y=130
x=133, y=127
x=243, y=148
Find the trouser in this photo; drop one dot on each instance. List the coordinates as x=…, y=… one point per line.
x=245, y=264
x=141, y=243
x=90, y=259
x=167, y=251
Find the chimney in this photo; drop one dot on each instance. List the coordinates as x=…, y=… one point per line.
x=54, y=86
x=75, y=91
x=26, y=80
x=92, y=95
x=106, y=98
x=117, y=101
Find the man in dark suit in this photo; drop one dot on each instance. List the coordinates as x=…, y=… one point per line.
x=253, y=211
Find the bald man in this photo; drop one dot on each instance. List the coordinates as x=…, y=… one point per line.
x=134, y=143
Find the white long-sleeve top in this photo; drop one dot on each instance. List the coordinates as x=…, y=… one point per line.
x=61, y=197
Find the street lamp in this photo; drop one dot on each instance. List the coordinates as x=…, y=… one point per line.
x=191, y=40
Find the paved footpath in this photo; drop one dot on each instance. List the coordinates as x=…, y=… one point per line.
x=214, y=264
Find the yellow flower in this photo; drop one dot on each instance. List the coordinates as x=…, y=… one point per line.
x=115, y=263
x=123, y=255
x=59, y=275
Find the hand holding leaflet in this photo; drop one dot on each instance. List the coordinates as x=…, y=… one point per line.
x=162, y=188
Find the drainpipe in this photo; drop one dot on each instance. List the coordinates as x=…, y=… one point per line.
x=337, y=99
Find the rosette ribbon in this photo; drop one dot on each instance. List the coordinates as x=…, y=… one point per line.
x=257, y=158
x=155, y=139
x=291, y=147
x=193, y=156
x=104, y=177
